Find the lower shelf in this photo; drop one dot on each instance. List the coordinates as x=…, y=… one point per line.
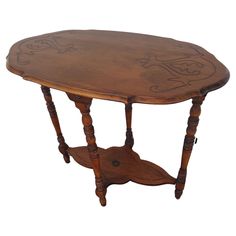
x=121, y=164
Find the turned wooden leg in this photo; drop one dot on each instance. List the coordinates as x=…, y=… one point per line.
x=84, y=106
x=188, y=144
x=129, y=141
x=53, y=114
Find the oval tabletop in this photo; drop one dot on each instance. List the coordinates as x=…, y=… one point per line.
x=118, y=66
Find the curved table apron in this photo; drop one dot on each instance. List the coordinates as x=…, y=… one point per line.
x=123, y=67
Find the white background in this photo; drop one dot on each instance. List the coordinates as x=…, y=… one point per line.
x=41, y=195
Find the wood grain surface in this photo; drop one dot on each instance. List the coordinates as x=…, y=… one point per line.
x=121, y=164
x=119, y=66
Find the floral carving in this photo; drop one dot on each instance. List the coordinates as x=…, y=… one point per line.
x=31, y=46
x=172, y=73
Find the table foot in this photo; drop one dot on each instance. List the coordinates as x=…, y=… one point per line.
x=101, y=193
x=178, y=193
x=103, y=201
x=66, y=159
x=180, y=183
x=63, y=147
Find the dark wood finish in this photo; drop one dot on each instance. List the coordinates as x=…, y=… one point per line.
x=118, y=66
x=125, y=67
x=189, y=140
x=53, y=114
x=121, y=164
x=129, y=141
x=83, y=104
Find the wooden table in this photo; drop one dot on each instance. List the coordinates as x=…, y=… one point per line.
x=124, y=67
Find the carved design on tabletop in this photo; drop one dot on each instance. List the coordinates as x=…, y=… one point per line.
x=31, y=46
x=170, y=74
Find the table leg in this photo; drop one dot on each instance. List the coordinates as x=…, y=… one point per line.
x=83, y=104
x=53, y=114
x=129, y=141
x=188, y=143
